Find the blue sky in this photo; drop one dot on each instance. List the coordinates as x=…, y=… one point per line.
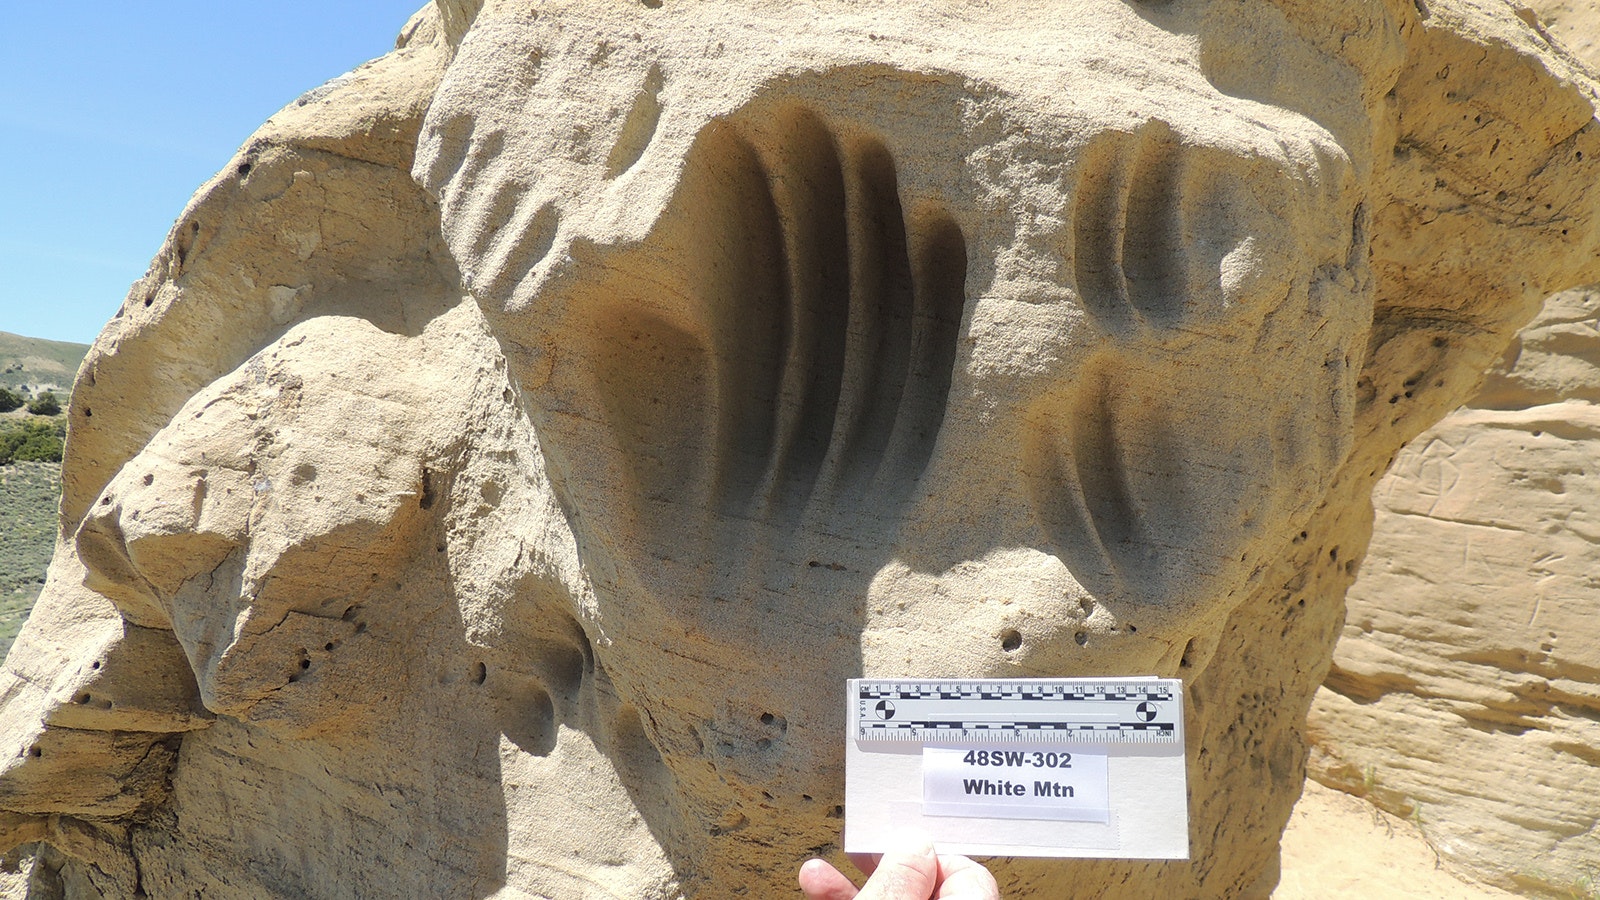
x=112, y=113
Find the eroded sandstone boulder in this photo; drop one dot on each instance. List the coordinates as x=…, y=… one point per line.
x=1464, y=691
x=515, y=447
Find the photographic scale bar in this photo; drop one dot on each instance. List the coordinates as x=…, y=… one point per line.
x=1146, y=711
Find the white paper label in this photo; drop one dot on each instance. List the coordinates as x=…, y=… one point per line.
x=1035, y=781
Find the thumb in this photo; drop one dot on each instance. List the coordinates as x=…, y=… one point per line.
x=911, y=873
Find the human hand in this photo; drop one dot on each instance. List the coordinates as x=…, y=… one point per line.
x=911, y=874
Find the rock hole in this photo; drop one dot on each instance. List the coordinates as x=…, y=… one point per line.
x=149, y=479
x=836, y=813
x=84, y=698
x=1082, y=637
x=36, y=752
x=329, y=646
x=654, y=381
x=305, y=664
x=527, y=714
x=1086, y=606
x=1133, y=629
x=480, y=673
x=425, y=493
x=88, y=413
x=1098, y=225
x=1010, y=640
x=95, y=664
x=1333, y=554
x=833, y=375
x=1153, y=252
x=491, y=492
x=1188, y=654
x=639, y=127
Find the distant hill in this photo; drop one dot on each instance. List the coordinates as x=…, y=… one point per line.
x=39, y=365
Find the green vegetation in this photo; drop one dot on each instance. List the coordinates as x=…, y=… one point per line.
x=45, y=404
x=29, y=494
x=35, y=373
x=35, y=440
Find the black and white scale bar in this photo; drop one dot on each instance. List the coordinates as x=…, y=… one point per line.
x=1108, y=692
x=1098, y=710
x=1131, y=734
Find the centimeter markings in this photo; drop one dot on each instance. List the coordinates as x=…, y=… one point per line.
x=1078, y=710
x=1135, y=734
x=1020, y=690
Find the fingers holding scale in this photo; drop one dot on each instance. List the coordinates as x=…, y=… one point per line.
x=866, y=863
x=909, y=874
x=962, y=879
x=821, y=881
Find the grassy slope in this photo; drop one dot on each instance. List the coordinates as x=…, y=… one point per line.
x=35, y=362
x=29, y=493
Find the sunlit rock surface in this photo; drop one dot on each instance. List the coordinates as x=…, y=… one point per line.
x=515, y=447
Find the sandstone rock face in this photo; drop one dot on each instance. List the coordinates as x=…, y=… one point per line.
x=515, y=447
x=1463, y=691
x=1466, y=688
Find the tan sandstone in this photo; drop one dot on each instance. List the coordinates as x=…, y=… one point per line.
x=1464, y=691
x=514, y=448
